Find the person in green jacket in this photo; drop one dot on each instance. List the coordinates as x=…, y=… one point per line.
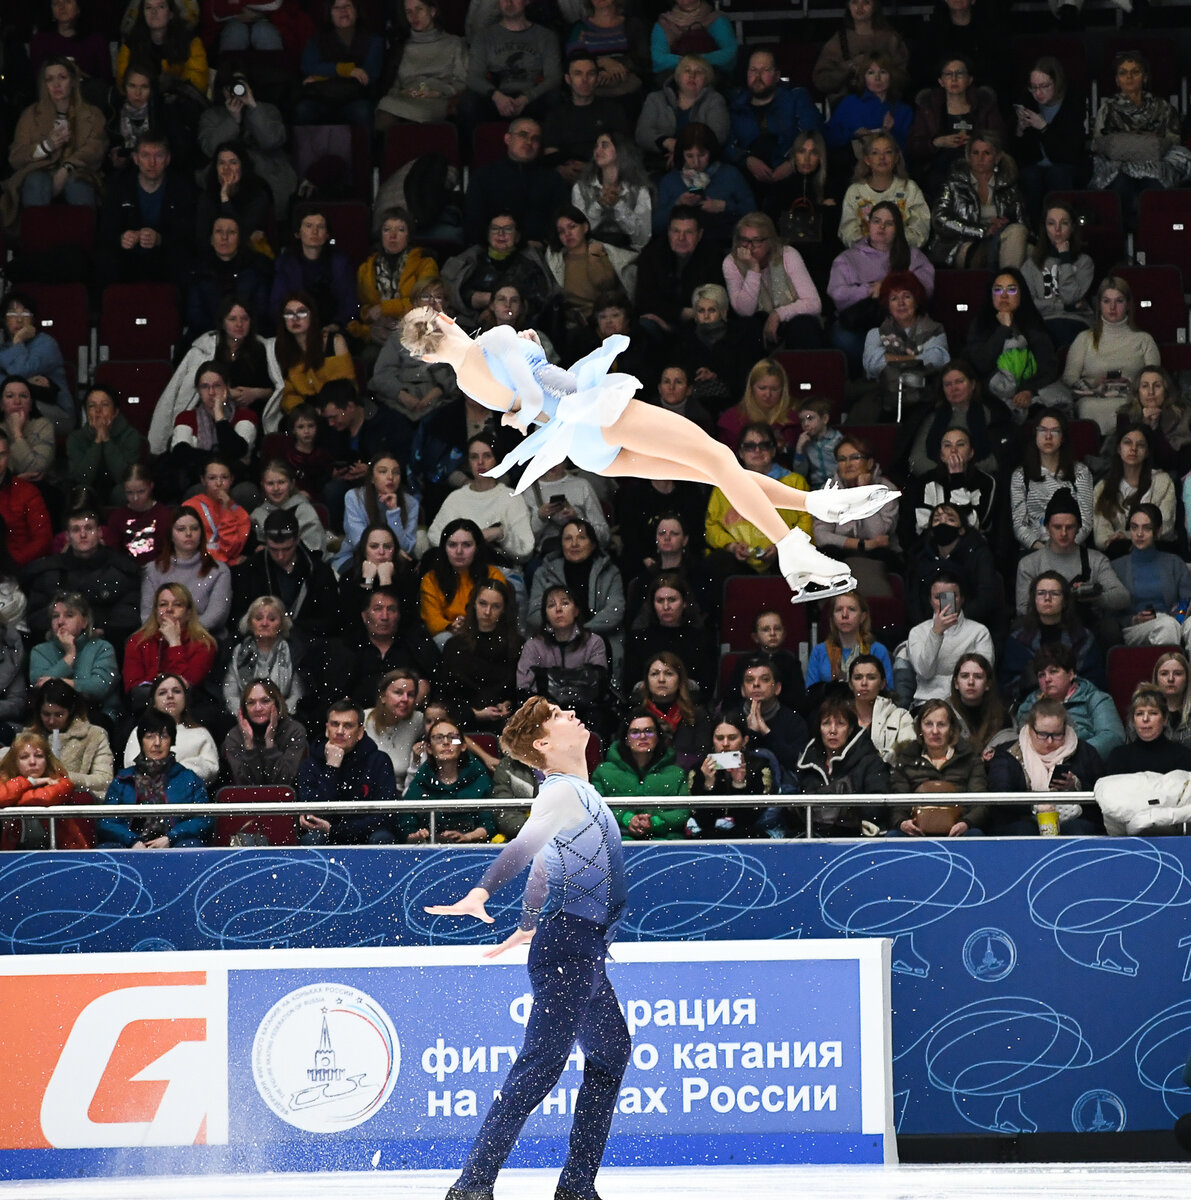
x=98, y=453
x=640, y=764
x=451, y=772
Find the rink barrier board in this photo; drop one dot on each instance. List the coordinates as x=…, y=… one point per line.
x=1038, y=984
x=300, y=1060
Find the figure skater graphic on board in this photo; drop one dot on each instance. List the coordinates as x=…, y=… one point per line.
x=591, y=417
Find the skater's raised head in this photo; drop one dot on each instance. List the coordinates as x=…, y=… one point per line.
x=421, y=331
x=542, y=735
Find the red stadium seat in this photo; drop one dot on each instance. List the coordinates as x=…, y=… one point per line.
x=138, y=386
x=1158, y=304
x=1127, y=666
x=63, y=313
x=880, y=437
x=816, y=373
x=49, y=226
x=888, y=613
x=745, y=596
x=309, y=143
x=138, y=321
x=1164, y=229
x=488, y=143
x=959, y=296
x=279, y=828
x=795, y=58
x=595, y=752
x=407, y=141
x=1084, y=438
x=351, y=227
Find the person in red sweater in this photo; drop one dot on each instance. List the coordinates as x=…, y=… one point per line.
x=30, y=774
x=30, y=534
x=171, y=641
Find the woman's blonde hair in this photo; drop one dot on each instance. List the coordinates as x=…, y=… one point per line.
x=714, y=292
x=752, y=410
x=864, y=172
x=266, y=602
x=1112, y=283
x=420, y=332
x=699, y=63
x=1178, y=656
x=193, y=628
x=8, y=764
x=762, y=223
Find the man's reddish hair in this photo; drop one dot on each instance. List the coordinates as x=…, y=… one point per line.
x=524, y=728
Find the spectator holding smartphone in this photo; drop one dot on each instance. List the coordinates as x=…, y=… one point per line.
x=935, y=646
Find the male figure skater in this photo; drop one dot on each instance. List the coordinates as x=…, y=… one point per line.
x=574, y=899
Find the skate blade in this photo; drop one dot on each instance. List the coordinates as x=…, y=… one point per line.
x=869, y=508
x=822, y=591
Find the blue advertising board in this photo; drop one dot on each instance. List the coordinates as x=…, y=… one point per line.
x=1038, y=984
x=300, y=1060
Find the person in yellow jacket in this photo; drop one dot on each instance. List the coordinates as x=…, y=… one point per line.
x=159, y=34
x=388, y=277
x=726, y=530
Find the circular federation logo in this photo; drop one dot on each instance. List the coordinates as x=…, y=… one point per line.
x=326, y=1058
x=1098, y=1111
x=989, y=954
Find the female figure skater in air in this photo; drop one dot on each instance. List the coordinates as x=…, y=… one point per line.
x=592, y=418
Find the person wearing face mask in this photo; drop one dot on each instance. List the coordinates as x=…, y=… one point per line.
x=947, y=543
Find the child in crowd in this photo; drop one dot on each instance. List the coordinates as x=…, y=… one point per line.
x=814, y=452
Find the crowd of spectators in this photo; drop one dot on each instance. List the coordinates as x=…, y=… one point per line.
x=292, y=566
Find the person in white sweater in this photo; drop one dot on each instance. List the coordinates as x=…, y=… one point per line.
x=936, y=646
x=1104, y=362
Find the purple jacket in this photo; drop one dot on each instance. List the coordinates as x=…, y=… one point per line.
x=854, y=272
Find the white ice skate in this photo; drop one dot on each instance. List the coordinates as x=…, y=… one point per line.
x=835, y=504
x=802, y=565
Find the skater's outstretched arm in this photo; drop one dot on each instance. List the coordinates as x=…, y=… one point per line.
x=555, y=808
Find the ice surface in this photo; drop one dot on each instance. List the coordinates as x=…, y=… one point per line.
x=1070, y=1181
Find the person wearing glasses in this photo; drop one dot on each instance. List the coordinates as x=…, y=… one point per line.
x=1048, y=467
x=1048, y=756
x=474, y=277
x=769, y=282
x=1052, y=616
x=450, y=772
x=945, y=120
x=1049, y=139
x=309, y=355
x=642, y=763
x=1011, y=348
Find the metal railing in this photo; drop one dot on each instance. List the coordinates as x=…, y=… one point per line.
x=52, y=814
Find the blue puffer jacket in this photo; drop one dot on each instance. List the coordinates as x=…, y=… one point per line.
x=182, y=786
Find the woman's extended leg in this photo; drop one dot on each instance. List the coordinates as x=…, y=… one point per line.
x=690, y=453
